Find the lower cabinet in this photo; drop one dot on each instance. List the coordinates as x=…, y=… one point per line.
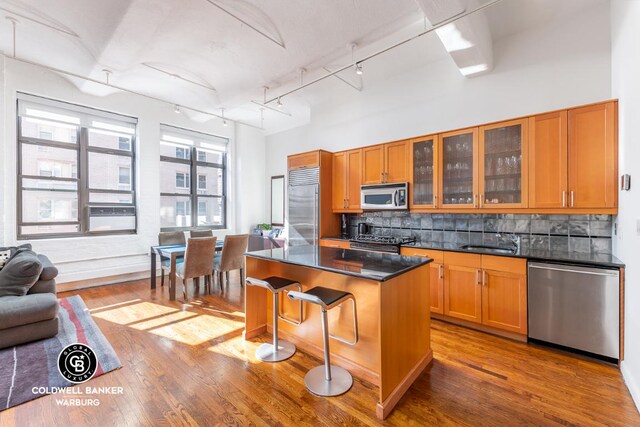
x=487, y=290
x=334, y=243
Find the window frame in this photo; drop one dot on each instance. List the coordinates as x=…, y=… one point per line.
x=193, y=163
x=81, y=179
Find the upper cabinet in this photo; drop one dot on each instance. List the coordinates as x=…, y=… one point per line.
x=347, y=178
x=503, y=167
x=458, y=165
x=593, y=158
x=548, y=161
x=424, y=170
x=386, y=163
x=304, y=160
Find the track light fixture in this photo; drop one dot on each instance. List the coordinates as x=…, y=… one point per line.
x=279, y=104
x=359, y=68
x=224, y=121
x=176, y=109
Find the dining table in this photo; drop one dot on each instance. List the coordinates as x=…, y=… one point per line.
x=172, y=252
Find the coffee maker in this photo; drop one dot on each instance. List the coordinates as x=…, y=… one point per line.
x=344, y=226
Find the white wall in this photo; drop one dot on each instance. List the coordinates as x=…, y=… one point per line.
x=559, y=65
x=122, y=254
x=625, y=64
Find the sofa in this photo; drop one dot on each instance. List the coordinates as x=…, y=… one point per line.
x=28, y=302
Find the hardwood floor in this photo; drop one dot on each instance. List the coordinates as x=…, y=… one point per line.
x=186, y=364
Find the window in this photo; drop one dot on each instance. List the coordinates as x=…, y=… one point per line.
x=72, y=160
x=185, y=154
x=182, y=180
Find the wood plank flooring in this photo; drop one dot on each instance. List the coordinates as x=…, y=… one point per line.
x=186, y=364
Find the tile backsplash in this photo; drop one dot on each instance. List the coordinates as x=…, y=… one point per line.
x=576, y=233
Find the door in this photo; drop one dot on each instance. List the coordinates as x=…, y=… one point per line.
x=458, y=163
x=339, y=182
x=436, y=287
x=548, y=161
x=354, y=178
x=396, y=155
x=303, y=215
x=372, y=164
x=503, y=167
x=423, y=167
x=504, y=293
x=593, y=156
x=462, y=290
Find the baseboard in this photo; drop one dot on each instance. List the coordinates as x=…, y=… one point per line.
x=632, y=384
x=101, y=281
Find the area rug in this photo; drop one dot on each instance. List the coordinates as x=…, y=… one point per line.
x=30, y=370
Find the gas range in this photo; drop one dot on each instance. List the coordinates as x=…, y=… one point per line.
x=380, y=243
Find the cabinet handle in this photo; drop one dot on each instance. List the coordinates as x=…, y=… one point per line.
x=435, y=201
x=441, y=271
x=481, y=198
x=564, y=199
x=382, y=177
x=475, y=200
x=572, y=199
x=478, y=277
x=484, y=278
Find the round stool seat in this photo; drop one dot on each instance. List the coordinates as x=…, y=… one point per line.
x=341, y=381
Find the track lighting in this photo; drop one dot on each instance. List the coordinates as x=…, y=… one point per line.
x=279, y=103
x=176, y=109
x=359, y=68
x=224, y=121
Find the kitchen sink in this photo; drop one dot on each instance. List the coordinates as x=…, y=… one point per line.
x=492, y=249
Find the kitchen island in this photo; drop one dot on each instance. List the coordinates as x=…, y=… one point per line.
x=392, y=296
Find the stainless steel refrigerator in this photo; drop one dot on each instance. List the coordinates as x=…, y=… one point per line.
x=303, y=205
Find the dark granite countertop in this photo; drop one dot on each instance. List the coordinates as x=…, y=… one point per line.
x=364, y=264
x=600, y=260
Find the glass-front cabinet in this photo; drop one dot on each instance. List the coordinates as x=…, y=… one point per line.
x=459, y=154
x=503, y=165
x=424, y=172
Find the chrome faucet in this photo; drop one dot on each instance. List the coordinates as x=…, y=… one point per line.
x=514, y=238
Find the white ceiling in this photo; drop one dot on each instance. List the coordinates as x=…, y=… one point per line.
x=223, y=62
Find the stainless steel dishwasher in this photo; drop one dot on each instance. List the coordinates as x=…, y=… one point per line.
x=576, y=307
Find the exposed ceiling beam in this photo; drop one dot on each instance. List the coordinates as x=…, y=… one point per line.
x=468, y=40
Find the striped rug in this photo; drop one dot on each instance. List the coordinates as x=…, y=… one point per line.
x=34, y=366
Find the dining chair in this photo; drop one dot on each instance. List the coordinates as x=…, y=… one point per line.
x=232, y=257
x=167, y=238
x=197, y=262
x=201, y=233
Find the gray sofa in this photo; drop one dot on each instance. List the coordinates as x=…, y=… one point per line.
x=28, y=302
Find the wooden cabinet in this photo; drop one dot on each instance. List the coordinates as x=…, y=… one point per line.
x=458, y=165
x=488, y=290
x=548, y=161
x=503, y=165
x=347, y=178
x=436, y=279
x=462, y=290
x=304, y=160
x=593, y=156
x=386, y=163
x=423, y=166
x=331, y=243
x=504, y=293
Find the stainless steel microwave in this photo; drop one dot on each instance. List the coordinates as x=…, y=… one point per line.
x=379, y=197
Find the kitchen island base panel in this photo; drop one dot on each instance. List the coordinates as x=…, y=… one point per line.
x=480, y=327
x=393, y=322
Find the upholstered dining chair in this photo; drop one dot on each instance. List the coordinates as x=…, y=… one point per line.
x=167, y=238
x=232, y=257
x=197, y=262
x=201, y=233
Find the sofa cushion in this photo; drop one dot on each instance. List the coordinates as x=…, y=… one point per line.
x=49, y=271
x=16, y=311
x=43, y=287
x=20, y=273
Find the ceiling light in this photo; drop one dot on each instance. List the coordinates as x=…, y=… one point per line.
x=176, y=109
x=279, y=104
x=224, y=121
x=359, y=69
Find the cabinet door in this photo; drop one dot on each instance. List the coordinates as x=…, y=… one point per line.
x=458, y=163
x=436, y=286
x=339, y=182
x=304, y=160
x=423, y=166
x=504, y=293
x=354, y=178
x=593, y=156
x=462, y=290
x=548, y=161
x=396, y=156
x=372, y=164
x=503, y=167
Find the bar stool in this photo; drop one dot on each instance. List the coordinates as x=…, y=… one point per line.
x=280, y=349
x=328, y=380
